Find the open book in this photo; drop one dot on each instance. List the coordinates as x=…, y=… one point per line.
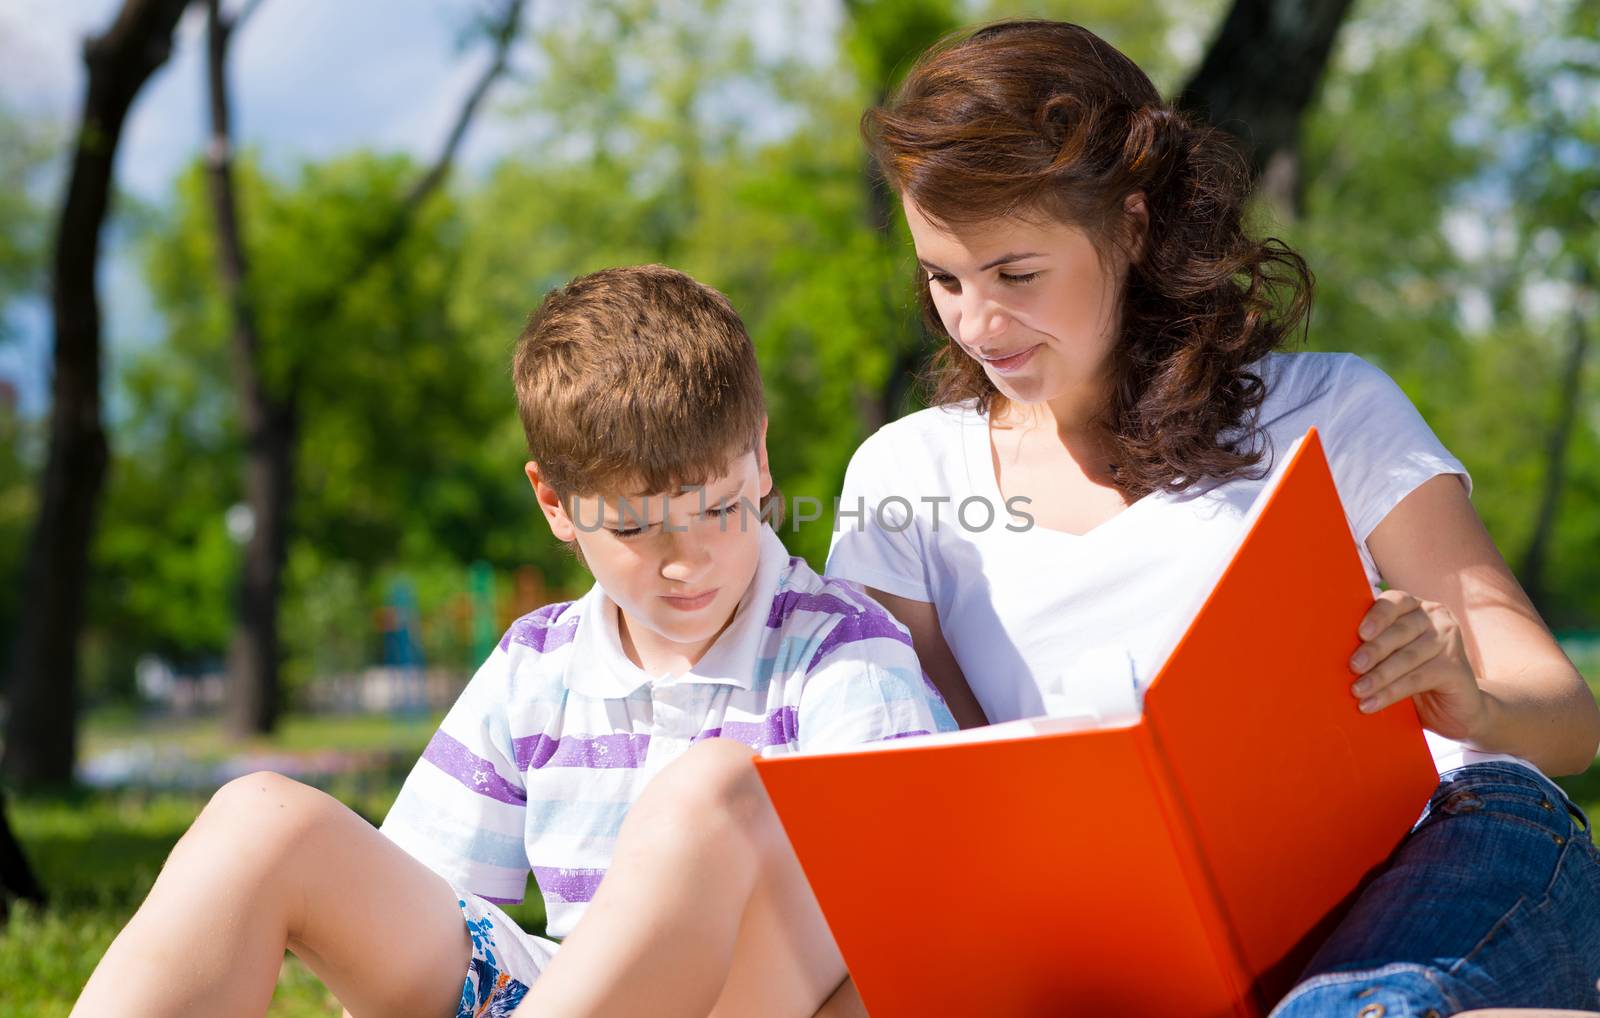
x=1184, y=860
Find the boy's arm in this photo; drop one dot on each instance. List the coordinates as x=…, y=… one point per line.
x=866, y=685
x=461, y=810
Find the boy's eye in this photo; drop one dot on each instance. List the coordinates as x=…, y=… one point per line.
x=723, y=510
x=1016, y=279
x=628, y=533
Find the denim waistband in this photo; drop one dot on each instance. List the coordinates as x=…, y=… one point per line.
x=1506, y=772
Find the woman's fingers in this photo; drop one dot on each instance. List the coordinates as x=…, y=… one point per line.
x=1400, y=675
x=1396, y=633
x=1390, y=605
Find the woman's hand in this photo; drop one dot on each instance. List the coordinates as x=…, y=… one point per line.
x=1414, y=648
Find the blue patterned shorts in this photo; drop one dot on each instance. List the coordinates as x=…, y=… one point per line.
x=505, y=960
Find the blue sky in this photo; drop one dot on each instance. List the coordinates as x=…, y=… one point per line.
x=309, y=78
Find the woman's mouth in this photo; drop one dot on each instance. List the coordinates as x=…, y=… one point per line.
x=1009, y=362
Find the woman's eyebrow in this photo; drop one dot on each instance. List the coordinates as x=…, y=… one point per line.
x=1009, y=256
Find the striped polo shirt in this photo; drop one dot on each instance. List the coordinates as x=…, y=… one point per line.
x=556, y=735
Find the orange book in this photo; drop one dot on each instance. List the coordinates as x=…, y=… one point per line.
x=1185, y=862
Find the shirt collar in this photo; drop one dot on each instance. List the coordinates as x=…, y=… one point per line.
x=599, y=668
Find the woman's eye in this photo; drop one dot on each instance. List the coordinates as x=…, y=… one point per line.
x=948, y=282
x=1016, y=279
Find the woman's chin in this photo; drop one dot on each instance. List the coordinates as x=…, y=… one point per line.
x=1014, y=389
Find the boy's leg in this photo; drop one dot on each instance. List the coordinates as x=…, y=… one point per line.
x=272, y=864
x=704, y=909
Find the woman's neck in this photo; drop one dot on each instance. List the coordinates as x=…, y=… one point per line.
x=1073, y=416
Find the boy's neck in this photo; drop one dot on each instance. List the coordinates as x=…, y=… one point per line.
x=659, y=657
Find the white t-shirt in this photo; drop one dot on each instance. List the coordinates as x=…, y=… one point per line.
x=1038, y=617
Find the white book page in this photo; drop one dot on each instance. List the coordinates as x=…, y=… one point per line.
x=1023, y=729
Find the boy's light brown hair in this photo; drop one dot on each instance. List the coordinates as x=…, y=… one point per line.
x=638, y=381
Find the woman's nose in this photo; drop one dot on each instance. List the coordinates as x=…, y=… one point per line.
x=980, y=319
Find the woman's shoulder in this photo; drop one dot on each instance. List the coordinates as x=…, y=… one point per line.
x=926, y=435
x=1319, y=382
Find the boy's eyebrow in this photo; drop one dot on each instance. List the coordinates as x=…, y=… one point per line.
x=630, y=512
x=731, y=496
x=1009, y=256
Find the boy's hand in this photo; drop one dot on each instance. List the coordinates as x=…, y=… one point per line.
x=1413, y=648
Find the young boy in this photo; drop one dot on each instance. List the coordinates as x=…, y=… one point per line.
x=607, y=737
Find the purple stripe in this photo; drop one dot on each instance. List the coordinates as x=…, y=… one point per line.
x=532, y=750
x=875, y=624
x=776, y=729
x=791, y=601
x=902, y=735
x=501, y=901
x=471, y=770
x=543, y=629
x=567, y=884
x=599, y=752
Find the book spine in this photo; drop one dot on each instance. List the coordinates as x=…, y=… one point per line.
x=1224, y=940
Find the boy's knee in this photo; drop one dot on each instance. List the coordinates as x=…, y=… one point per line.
x=715, y=778
x=264, y=809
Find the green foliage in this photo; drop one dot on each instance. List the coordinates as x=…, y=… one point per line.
x=25, y=150
x=1449, y=193
x=672, y=136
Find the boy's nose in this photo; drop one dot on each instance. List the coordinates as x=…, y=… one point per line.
x=686, y=560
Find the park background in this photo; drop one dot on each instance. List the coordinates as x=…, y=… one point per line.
x=311, y=521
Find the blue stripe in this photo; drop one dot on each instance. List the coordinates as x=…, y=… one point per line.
x=561, y=816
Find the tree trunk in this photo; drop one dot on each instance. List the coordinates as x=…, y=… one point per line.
x=16, y=879
x=267, y=418
x=1257, y=79
x=41, y=735
x=269, y=408
x=1568, y=407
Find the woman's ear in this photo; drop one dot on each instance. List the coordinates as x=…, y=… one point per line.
x=555, y=513
x=1136, y=220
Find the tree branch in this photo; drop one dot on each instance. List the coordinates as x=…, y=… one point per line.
x=503, y=32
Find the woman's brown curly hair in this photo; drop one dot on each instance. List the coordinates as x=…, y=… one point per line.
x=1020, y=118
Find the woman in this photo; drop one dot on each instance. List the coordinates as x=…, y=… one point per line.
x=1108, y=364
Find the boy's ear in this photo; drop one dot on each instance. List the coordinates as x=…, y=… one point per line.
x=550, y=504
x=763, y=471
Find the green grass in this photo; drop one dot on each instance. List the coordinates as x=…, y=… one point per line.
x=98, y=853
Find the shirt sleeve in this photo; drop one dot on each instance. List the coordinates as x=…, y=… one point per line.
x=1380, y=449
x=462, y=807
x=878, y=539
x=864, y=684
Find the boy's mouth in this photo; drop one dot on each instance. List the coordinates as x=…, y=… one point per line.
x=692, y=602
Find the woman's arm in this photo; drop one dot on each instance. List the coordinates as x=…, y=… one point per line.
x=922, y=619
x=1457, y=632
x=845, y=1003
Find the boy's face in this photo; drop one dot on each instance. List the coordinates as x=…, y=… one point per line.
x=677, y=564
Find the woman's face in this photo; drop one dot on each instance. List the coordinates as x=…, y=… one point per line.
x=1030, y=300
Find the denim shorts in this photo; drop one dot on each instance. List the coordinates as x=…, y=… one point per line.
x=505, y=960
x=1492, y=900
